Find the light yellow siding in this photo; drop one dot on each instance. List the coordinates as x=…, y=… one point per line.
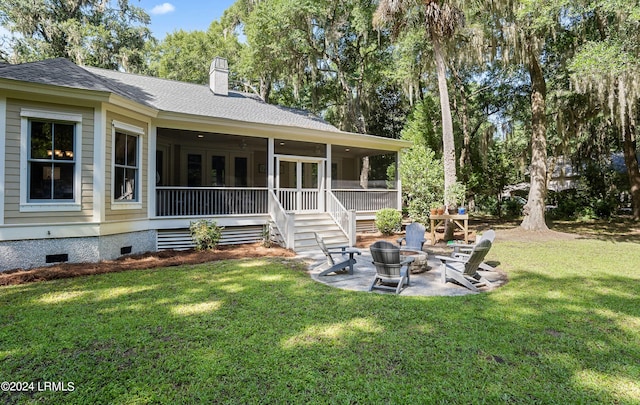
x=12, y=174
x=127, y=214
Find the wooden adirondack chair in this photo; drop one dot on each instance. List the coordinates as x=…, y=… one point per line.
x=462, y=250
x=464, y=270
x=390, y=269
x=414, y=238
x=344, y=256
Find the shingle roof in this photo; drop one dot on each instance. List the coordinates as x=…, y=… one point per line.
x=164, y=95
x=56, y=72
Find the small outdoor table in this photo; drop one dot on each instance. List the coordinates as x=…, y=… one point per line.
x=461, y=221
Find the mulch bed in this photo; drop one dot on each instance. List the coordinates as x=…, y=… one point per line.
x=151, y=260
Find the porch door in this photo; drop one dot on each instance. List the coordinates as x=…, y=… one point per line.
x=299, y=182
x=207, y=168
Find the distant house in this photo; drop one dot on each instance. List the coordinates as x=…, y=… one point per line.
x=95, y=164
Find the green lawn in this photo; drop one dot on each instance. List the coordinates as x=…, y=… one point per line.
x=565, y=329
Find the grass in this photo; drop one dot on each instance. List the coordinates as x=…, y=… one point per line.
x=565, y=329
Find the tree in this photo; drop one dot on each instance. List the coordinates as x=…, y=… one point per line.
x=186, y=56
x=517, y=32
x=88, y=32
x=421, y=171
x=439, y=19
x=606, y=68
x=323, y=56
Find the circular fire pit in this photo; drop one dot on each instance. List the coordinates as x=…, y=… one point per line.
x=419, y=264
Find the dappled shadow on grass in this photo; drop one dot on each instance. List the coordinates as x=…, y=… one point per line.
x=263, y=331
x=616, y=230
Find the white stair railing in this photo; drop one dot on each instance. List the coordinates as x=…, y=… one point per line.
x=284, y=222
x=345, y=219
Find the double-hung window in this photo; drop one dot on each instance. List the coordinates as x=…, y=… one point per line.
x=127, y=157
x=50, y=161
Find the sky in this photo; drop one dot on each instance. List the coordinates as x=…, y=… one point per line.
x=188, y=15
x=167, y=17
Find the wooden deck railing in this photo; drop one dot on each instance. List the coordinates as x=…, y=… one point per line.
x=199, y=201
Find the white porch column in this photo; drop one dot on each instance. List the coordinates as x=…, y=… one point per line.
x=270, y=164
x=153, y=171
x=329, y=173
x=398, y=182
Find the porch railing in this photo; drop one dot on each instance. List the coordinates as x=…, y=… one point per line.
x=346, y=219
x=283, y=221
x=298, y=200
x=203, y=201
x=367, y=199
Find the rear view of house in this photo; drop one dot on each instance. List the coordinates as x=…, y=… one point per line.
x=96, y=164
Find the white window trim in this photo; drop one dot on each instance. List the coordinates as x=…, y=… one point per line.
x=129, y=130
x=29, y=206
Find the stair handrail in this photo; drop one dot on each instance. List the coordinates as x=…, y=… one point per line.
x=283, y=221
x=344, y=218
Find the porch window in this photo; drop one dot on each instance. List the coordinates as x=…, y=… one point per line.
x=50, y=146
x=126, y=167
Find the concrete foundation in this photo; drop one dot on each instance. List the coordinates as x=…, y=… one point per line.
x=27, y=254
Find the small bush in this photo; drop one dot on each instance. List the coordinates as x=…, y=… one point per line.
x=388, y=221
x=205, y=234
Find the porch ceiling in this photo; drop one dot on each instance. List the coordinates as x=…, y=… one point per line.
x=242, y=142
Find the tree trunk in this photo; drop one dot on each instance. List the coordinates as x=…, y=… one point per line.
x=463, y=114
x=631, y=161
x=448, y=145
x=364, y=173
x=534, y=210
x=265, y=89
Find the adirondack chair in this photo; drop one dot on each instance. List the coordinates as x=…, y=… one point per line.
x=464, y=270
x=462, y=250
x=414, y=238
x=390, y=269
x=344, y=256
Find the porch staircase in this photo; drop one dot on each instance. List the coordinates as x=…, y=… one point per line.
x=322, y=223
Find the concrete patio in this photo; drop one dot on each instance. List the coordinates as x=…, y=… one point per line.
x=427, y=283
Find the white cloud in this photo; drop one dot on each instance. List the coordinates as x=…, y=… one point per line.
x=163, y=8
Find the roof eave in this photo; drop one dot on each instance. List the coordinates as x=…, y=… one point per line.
x=20, y=86
x=131, y=105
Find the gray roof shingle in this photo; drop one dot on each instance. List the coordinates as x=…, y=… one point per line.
x=164, y=95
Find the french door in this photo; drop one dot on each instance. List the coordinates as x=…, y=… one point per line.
x=299, y=183
x=215, y=169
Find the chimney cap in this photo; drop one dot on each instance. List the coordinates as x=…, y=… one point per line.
x=219, y=63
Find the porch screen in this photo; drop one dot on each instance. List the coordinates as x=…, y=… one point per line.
x=126, y=167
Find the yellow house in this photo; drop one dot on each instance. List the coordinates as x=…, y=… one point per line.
x=95, y=164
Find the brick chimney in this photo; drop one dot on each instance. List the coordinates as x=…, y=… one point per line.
x=219, y=76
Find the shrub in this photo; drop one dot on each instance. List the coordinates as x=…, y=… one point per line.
x=205, y=234
x=388, y=221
